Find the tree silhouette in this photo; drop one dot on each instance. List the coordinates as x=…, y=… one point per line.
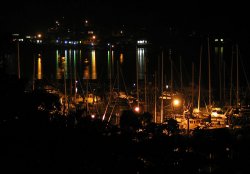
x=171, y=126
x=146, y=119
x=129, y=121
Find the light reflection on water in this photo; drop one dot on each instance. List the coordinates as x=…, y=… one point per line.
x=75, y=65
x=88, y=64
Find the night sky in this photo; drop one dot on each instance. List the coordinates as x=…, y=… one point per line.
x=25, y=16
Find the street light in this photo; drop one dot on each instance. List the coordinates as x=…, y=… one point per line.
x=39, y=35
x=137, y=109
x=176, y=102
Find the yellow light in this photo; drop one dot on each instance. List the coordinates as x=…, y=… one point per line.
x=176, y=102
x=39, y=35
x=39, y=67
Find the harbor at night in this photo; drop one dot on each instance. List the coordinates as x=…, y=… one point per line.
x=104, y=88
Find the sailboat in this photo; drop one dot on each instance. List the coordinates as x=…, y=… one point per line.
x=118, y=100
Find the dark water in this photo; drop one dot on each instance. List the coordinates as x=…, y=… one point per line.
x=97, y=64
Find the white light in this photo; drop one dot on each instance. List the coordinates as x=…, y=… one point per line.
x=90, y=32
x=137, y=109
x=167, y=86
x=221, y=40
x=141, y=42
x=92, y=116
x=15, y=34
x=216, y=40
x=215, y=114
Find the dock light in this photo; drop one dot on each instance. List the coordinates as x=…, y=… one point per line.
x=39, y=35
x=176, y=102
x=137, y=109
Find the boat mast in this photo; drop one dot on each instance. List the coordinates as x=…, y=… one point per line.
x=209, y=74
x=192, y=83
x=75, y=76
x=171, y=63
x=231, y=79
x=162, y=87
x=65, y=87
x=181, y=74
x=220, y=72
x=34, y=73
x=145, y=83
x=110, y=69
x=155, y=110
x=199, y=94
x=137, y=79
x=237, y=66
x=224, y=82
x=18, y=60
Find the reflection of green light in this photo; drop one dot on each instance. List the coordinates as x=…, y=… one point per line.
x=75, y=63
x=221, y=50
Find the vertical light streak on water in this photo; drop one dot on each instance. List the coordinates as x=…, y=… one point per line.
x=121, y=58
x=109, y=65
x=112, y=63
x=141, y=61
x=39, y=67
x=65, y=66
x=79, y=65
x=75, y=75
x=86, y=73
x=59, y=72
x=93, y=65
